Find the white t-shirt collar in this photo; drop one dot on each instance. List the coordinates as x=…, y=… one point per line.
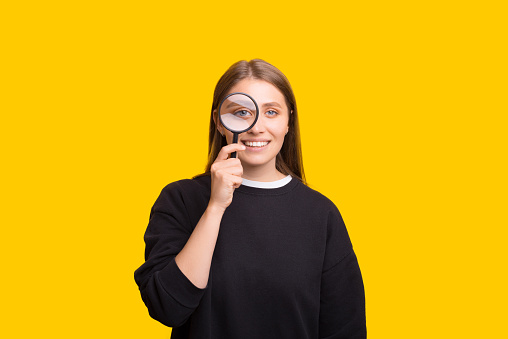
x=271, y=184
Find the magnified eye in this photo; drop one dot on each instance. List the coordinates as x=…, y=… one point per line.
x=243, y=113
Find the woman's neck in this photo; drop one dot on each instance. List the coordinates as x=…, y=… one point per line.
x=260, y=173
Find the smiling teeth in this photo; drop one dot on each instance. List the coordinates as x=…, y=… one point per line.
x=255, y=144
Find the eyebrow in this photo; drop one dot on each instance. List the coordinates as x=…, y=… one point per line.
x=237, y=103
x=272, y=104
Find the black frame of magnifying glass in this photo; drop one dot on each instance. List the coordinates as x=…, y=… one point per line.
x=255, y=120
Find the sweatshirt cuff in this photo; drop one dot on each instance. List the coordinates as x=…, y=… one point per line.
x=179, y=286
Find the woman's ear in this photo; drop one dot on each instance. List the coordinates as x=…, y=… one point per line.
x=214, y=115
x=287, y=130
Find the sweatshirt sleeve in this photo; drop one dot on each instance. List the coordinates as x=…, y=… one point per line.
x=342, y=305
x=167, y=293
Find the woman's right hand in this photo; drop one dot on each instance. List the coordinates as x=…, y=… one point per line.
x=226, y=176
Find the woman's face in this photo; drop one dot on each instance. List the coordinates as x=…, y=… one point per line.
x=270, y=128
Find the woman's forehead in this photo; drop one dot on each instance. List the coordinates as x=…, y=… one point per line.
x=262, y=91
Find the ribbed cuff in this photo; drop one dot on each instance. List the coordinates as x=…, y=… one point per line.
x=179, y=286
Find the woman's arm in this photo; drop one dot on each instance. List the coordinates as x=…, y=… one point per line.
x=342, y=310
x=178, y=256
x=342, y=305
x=171, y=293
x=195, y=259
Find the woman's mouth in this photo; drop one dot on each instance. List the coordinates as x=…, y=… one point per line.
x=255, y=145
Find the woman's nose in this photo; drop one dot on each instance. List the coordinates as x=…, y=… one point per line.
x=258, y=127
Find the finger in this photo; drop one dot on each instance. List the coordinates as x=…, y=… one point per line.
x=231, y=162
x=238, y=171
x=226, y=166
x=224, y=152
x=235, y=180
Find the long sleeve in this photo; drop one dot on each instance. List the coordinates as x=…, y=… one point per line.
x=342, y=305
x=167, y=293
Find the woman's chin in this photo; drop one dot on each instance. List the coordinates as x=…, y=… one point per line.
x=253, y=161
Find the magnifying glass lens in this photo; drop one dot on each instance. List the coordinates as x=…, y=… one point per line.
x=238, y=112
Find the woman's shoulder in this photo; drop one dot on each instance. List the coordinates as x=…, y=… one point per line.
x=199, y=183
x=184, y=193
x=315, y=197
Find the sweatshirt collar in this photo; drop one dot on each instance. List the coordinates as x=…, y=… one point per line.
x=283, y=186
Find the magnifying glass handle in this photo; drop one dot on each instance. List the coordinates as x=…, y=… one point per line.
x=235, y=140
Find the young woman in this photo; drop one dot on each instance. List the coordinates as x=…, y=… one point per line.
x=246, y=249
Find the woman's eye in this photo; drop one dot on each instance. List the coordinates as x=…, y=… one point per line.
x=242, y=113
x=272, y=113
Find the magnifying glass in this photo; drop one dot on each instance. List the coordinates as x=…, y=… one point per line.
x=238, y=112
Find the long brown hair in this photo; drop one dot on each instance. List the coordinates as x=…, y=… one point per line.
x=289, y=159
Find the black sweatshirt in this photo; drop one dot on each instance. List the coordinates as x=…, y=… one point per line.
x=283, y=266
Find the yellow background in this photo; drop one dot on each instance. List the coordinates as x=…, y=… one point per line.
x=403, y=119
